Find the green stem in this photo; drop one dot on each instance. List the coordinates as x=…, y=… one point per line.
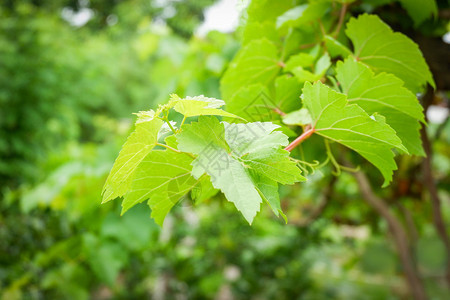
x=332, y=159
x=170, y=125
x=174, y=150
x=182, y=122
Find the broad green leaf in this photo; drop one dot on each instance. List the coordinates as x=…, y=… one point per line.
x=137, y=146
x=198, y=136
x=163, y=177
x=227, y=174
x=199, y=105
x=253, y=148
x=351, y=126
x=298, y=117
x=257, y=62
x=376, y=45
x=420, y=10
x=384, y=94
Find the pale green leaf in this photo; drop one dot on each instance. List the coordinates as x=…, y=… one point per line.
x=376, y=45
x=252, y=148
x=351, y=126
x=199, y=105
x=198, y=136
x=384, y=94
x=162, y=177
x=298, y=117
x=137, y=146
x=254, y=137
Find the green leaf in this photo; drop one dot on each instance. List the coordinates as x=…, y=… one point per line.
x=298, y=117
x=163, y=177
x=420, y=10
x=254, y=137
x=351, y=126
x=253, y=148
x=254, y=103
x=379, y=47
x=268, y=189
x=203, y=190
x=199, y=105
x=197, y=136
x=384, y=94
x=302, y=14
x=287, y=93
x=267, y=10
x=299, y=60
x=336, y=48
x=257, y=103
x=137, y=146
x=258, y=30
x=318, y=70
x=275, y=165
x=257, y=62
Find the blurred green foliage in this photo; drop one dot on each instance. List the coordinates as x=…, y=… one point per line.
x=66, y=98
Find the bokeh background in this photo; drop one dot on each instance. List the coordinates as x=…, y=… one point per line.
x=72, y=72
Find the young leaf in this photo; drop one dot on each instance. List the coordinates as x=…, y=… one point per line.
x=137, y=146
x=257, y=62
x=351, y=126
x=384, y=94
x=298, y=117
x=231, y=153
x=199, y=105
x=163, y=177
x=384, y=50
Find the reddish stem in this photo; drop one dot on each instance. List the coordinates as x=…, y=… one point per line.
x=306, y=134
x=279, y=111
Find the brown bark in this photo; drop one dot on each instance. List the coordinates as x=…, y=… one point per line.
x=398, y=233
